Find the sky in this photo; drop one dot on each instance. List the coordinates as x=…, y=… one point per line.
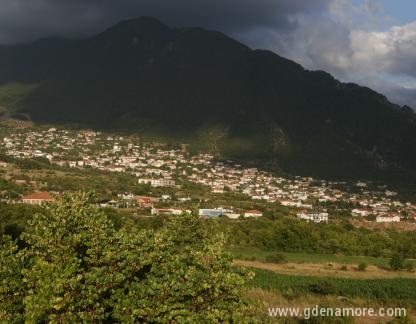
x=370, y=42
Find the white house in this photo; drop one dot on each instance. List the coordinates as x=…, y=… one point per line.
x=215, y=212
x=388, y=218
x=314, y=217
x=253, y=213
x=158, y=182
x=169, y=211
x=233, y=215
x=360, y=212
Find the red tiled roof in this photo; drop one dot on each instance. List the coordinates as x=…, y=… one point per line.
x=144, y=198
x=43, y=195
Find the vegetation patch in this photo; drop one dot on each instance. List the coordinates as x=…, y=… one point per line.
x=375, y=289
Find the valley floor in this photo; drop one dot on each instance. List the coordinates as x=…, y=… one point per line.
x=289, y=285
x=327, y=270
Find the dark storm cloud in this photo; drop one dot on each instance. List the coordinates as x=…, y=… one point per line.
x=22, y=20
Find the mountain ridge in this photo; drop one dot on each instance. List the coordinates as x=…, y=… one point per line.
x=202, y=86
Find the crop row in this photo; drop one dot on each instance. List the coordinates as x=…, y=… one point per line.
x=379, y=289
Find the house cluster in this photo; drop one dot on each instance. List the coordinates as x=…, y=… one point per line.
x=158, y=165
x=386, y=210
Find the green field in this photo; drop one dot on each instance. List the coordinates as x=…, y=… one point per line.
x=299, y=257
x=382, y=290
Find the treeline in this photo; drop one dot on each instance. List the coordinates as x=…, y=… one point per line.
x=35, y=163
x=282, y=234
x=291, y=235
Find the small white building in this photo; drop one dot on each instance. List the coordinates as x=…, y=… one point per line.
x=360, y=212
x=169, y=211
x=314, y=217
x=215, y=212
x=388, y=219
x=233, y=215
x=158, y=182
x=253, y=213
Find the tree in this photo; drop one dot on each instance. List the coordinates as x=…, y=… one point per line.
x=397, y=261
x=78, y=268
x=12, y=286
x=190, y=278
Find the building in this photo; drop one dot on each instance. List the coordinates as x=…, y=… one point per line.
x=253, y=213
x=233, y=215
x=169, y=211
x=158, y=182
x=299, y=204
x=145, y=202
x=214, y=212
x=126, y=196
x=60, y=163
x=37, y=198
x=360, y=212
x=314, y=217
x=386, y=218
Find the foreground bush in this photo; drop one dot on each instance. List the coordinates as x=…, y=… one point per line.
x=78, y=268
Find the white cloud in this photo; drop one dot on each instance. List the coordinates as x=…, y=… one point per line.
x=356, y=43
x=393, y=51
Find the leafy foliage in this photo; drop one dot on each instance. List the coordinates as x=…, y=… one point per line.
x=397, y=261
x=77, y=267
x=11, y=282
x=291, y=235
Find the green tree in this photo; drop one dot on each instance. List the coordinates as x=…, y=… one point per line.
x=77, y=267
x=397, y=261
x=11, y=282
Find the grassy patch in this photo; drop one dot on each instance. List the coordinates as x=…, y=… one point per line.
x=299, y=257
x=12, y=94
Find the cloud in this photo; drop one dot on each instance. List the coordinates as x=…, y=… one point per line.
x=22, y=20
x=354, y=43
x=392, y=51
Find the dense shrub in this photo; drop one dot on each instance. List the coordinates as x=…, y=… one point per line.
x=323, y=288
x=77, y=267
x=277, y=258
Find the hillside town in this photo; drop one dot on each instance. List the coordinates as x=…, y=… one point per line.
x=161, y=166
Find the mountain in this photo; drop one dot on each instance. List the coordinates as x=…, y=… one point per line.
x=202, y=87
